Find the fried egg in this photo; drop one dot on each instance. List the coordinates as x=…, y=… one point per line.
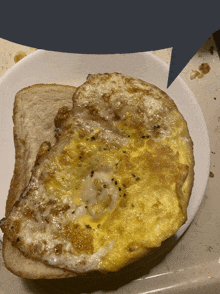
x=114, y=186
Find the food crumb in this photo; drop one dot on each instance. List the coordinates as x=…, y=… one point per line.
x=193, y=74
x=19, y=55
x=204, y=68
x=211, y=175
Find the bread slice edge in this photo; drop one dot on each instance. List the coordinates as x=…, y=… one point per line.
x=46, y=100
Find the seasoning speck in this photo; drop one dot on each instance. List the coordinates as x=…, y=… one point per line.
x=211, y=50
x=119, y=189
x=209, y=248
x=116, y=182
x=93, y=138
x=133, y=175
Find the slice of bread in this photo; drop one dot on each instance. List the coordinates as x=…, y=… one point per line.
x=35, y=108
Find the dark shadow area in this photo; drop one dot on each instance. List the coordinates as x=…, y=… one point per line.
x=96, y=281
x=216, y=37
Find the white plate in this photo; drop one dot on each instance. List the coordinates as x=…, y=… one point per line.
x=72, y=69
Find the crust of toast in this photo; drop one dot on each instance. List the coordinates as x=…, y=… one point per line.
x=35, y=108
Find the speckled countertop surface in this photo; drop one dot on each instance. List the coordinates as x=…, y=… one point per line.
x=193, y=265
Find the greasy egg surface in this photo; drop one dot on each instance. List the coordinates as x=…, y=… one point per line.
x=116, y=184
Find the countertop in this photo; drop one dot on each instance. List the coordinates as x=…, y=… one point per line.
x=193, y=264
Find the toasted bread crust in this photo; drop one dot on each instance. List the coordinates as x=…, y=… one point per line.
x=30, y=269
x=26, y=148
